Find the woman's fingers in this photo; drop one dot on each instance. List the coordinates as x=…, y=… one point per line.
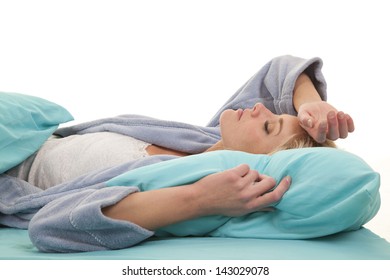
x=241, y=170
x=339, y=125
x=305, y=119
x=264, y=193
x=322, y=121
x=343, y=126
x=350, y=123
x=321, y=132
x=270, y=197
x=264, y=184
x=333, y=126
x=239, y=191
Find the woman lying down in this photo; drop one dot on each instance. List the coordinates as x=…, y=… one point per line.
x=67, y=207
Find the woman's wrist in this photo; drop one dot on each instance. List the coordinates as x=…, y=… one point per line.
x=304, y=92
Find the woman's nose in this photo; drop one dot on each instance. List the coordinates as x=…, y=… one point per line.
x=260, y=109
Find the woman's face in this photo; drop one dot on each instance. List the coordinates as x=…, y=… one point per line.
x=256, y=130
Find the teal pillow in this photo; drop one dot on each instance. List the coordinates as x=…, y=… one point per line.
x=331, y=191
x=25, y=124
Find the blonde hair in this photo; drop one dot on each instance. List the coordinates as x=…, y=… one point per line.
x=303, y=140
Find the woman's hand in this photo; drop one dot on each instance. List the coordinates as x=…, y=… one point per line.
x=322, y=121
x=238, y=191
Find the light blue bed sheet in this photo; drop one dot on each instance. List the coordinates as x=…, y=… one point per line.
x=356, y=245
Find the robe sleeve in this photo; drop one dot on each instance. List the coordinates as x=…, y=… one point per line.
x=75, y=223
x=273, y=85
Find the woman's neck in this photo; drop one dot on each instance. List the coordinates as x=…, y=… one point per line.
x=216, y=147
x=158, y=150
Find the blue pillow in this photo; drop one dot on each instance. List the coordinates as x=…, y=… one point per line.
x=25, y=124
x=331, y=191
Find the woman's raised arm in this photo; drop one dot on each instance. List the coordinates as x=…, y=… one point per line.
x=320, y=119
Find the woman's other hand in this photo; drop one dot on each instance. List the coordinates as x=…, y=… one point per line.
x=238, y=191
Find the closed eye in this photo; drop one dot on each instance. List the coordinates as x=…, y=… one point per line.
x=266, y=123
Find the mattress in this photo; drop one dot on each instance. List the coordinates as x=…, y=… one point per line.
x=362, y=244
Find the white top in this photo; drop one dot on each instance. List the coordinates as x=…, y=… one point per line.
x=62, y=159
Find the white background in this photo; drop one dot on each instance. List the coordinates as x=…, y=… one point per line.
x=180, y=60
